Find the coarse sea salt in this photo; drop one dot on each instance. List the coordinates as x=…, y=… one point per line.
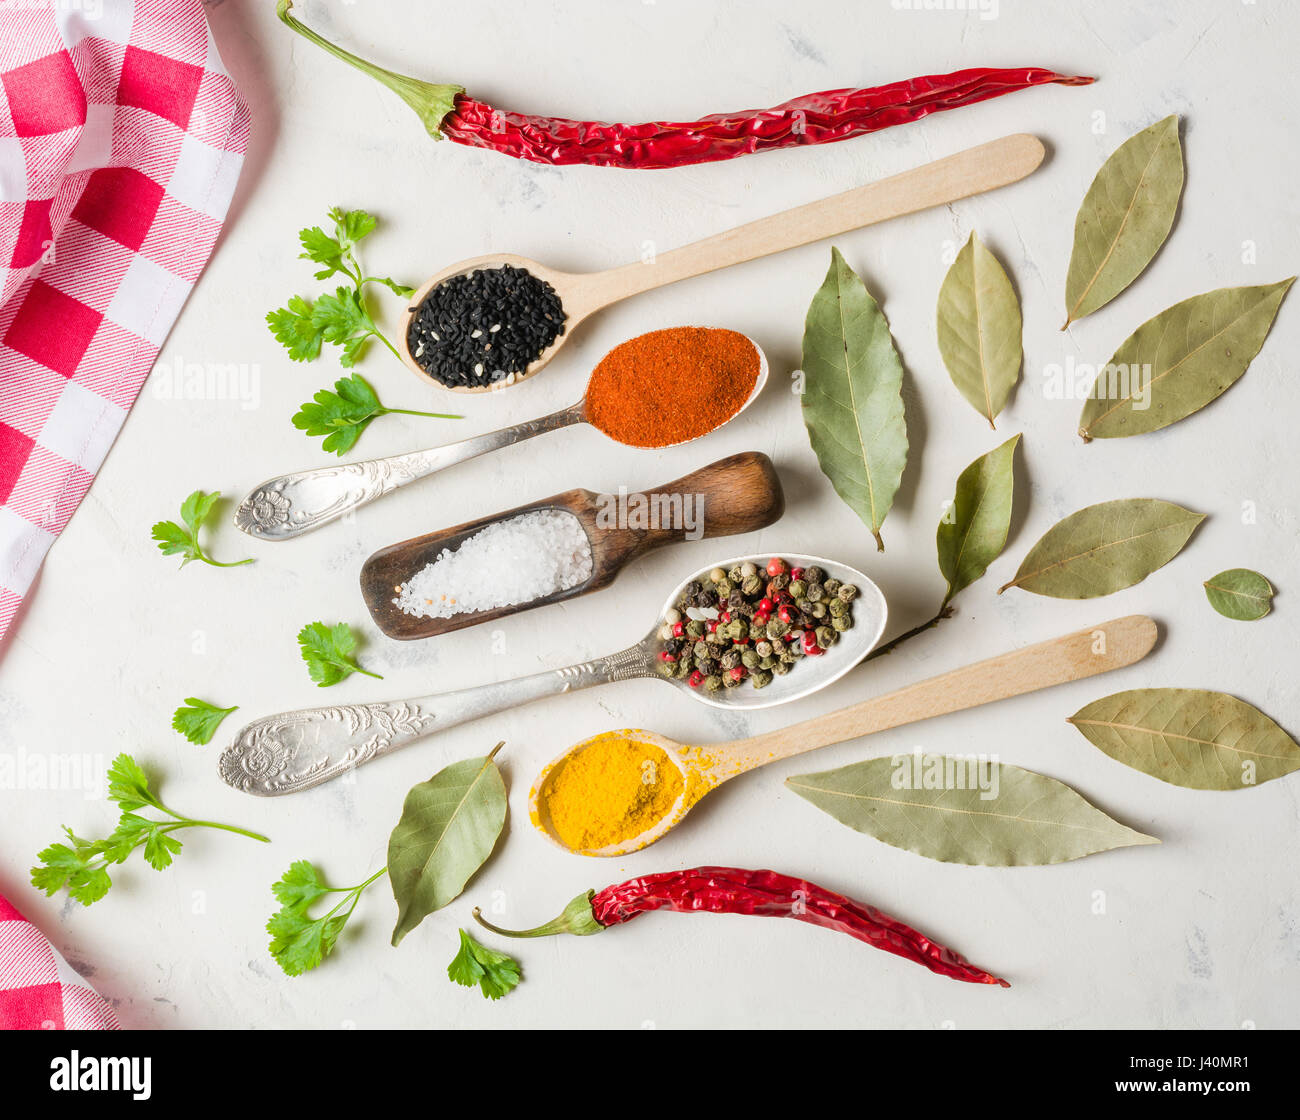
x=509, y=562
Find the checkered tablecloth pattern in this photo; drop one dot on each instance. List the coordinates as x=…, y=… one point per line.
x=38, y=989
x=121, y=139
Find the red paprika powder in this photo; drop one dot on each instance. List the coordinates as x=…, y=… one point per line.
x=672, y=385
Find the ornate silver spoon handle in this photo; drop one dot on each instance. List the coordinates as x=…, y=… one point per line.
x=294, y=751
x=293, y=504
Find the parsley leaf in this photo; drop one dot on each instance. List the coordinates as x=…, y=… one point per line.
x=300, y=942
x=296, y=331
x=341, y=319
x=183, y=540
x=495, y=973
x=198, y=720
x=328, y=653
x=342, y=415
x=81, y=866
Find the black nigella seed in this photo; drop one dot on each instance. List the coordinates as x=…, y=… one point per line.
x=525, y=314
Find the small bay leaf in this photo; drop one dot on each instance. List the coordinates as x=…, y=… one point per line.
x=1180, y=360
x=852, y=395
x=963, y=810
x=974, y=528
x=979, y=329
x=1189, y=737
x=1105, y=548
x=1125, y=217
x=1240, y=593
x=448, y=828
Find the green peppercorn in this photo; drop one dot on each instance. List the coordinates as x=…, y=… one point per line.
x=715, y=637
x=789, y=658
x=831, y=586
x=763, y=648
x=728, y=681
x=700, y=650
x=712, y=683
x=842, y=623
x=761, y=678
x=837, y=607
x=815, y=593
x=723, y=588
x=781, y=667
x=826, y=637
x=814, y=574
x=804, y=605
x=798, y=589
x=766, y=662
x=682, y=669
x=819, y=610
x=667, y=668
x=795, y=650
x=777, y=629
x=749, y=658
x=695, y=628
x=847, y=592
x=730, y=659
x=752, y=586
x=735, y=575
x=778, y=645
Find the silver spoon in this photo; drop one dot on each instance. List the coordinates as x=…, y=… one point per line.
x=292, y=504
x=293, y=751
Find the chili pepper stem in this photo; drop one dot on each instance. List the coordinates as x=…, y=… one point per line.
x=577, y=918
x=431, y=102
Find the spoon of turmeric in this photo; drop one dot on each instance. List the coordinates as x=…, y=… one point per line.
x=719, y=372
x=623, y=790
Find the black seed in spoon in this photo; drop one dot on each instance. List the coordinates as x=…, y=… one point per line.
x=484, y=327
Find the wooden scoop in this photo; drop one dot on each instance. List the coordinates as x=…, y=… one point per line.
x=1085, y=653
x=991, y=165
x=738, y=494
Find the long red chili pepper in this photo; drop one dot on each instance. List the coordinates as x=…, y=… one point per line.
x=732, y=890
x=817, y=118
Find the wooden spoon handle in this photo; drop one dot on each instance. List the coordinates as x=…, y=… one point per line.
x=739, y=494
x=1085, y=653
x=933, y=184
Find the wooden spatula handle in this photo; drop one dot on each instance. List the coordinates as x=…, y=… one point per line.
x=973, y=171
x=1085, y=653
x=739, y=494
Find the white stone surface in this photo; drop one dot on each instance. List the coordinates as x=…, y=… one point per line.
x=1201, y=931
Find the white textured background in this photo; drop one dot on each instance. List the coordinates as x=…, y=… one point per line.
x=1202, y=931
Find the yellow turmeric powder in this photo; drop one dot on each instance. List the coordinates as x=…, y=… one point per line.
x=610, y=791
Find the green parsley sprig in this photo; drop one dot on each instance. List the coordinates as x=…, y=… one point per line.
x=198, y=720
x=183, y=540
x=495, y=973
x=328, y=650
x=342, y=318
x=82, y=865
x=342, y=415
x=300, y=942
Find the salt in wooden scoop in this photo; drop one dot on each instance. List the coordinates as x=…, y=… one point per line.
x=702, y=768
x=292, y=504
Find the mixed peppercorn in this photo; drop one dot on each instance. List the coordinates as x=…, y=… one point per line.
x=751, y=623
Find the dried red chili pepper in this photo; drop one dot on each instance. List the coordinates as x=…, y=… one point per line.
x=732, y=890
x=817, y=118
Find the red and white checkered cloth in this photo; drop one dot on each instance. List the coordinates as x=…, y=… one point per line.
x=121, y=138
x=38, y=989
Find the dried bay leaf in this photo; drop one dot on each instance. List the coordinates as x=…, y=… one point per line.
x=1240, y=594
x=1180, y=360
x=1189, y=737
x=1125, y=217
x=448, y=828
x=1105, y=548
x=918, y=802
x=979, y=328
x=974, y=528
x=852, y=395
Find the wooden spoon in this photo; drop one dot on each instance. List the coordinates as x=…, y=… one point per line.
x=1122, y=641
x=738, y=494
x=991, y=165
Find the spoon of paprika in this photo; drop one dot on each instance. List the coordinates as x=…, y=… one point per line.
x=656, y=390
x=621, y=791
